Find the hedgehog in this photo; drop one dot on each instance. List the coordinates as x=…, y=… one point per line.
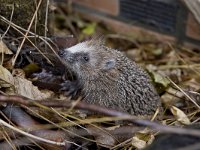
x=108, y=78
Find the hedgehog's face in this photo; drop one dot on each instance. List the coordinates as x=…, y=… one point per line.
x=87, y=60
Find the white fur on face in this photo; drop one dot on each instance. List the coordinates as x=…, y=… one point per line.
x=81, y=47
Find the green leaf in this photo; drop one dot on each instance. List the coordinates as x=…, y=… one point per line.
x=89, y=29
x=160, y=79
x=157, y=51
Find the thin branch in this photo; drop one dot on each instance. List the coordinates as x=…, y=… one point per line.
x=98, y=109
x=46, y=19
x=44, y=39
x=1, y=37
x=11, y=16
x=17, y=29
x=25, y=36
x=30, y=135
x=193, y=101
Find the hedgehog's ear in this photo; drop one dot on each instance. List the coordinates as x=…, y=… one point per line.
x=109, y=64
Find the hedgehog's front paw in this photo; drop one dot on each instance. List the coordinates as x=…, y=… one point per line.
x=70, y=88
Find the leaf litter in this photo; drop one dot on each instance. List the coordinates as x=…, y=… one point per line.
x=32, y=77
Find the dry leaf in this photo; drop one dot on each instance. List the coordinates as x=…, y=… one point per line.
x=171, y=97
x=113, y=127
x=25, y=88
x=160, y=79
x=103, y=138
x=18, y=73
x=6, y=78
x=180, y=115
x=4, y=49
x=142, y=138
x=138, y=143
x=157, y=51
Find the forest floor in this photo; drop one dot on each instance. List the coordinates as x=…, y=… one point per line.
x=31, y=74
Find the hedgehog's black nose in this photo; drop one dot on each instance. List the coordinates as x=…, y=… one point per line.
x=61, y=53
x=66, y=56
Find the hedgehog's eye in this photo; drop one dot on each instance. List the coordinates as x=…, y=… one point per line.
x=86, y=58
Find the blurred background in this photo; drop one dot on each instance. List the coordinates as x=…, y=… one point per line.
x=162, y=20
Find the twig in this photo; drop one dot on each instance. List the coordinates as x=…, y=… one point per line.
x=122, y=144
x=28, y=124
x=184, y=93
x=11, y=16
x=87, y=121
x=164, y=67
x=56, y=125
x=98, y=109
x=16, y=28
x=30, y=135
x=46, y=20
x=1, y=37
x=25, y=36
x=44, y=39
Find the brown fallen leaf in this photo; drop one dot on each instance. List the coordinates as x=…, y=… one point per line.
x=102, y=137
x=4, y=49
x=138, y=143
x=142, y=139
x=180, y=115
x=22, y=86
x=158, y=78
x=18, y=73
x=6, y=78
x=25, y=88
x=171, y=97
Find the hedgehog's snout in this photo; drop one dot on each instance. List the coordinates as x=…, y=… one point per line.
x=61, y=53
x=67, y=56
x=70, y=58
